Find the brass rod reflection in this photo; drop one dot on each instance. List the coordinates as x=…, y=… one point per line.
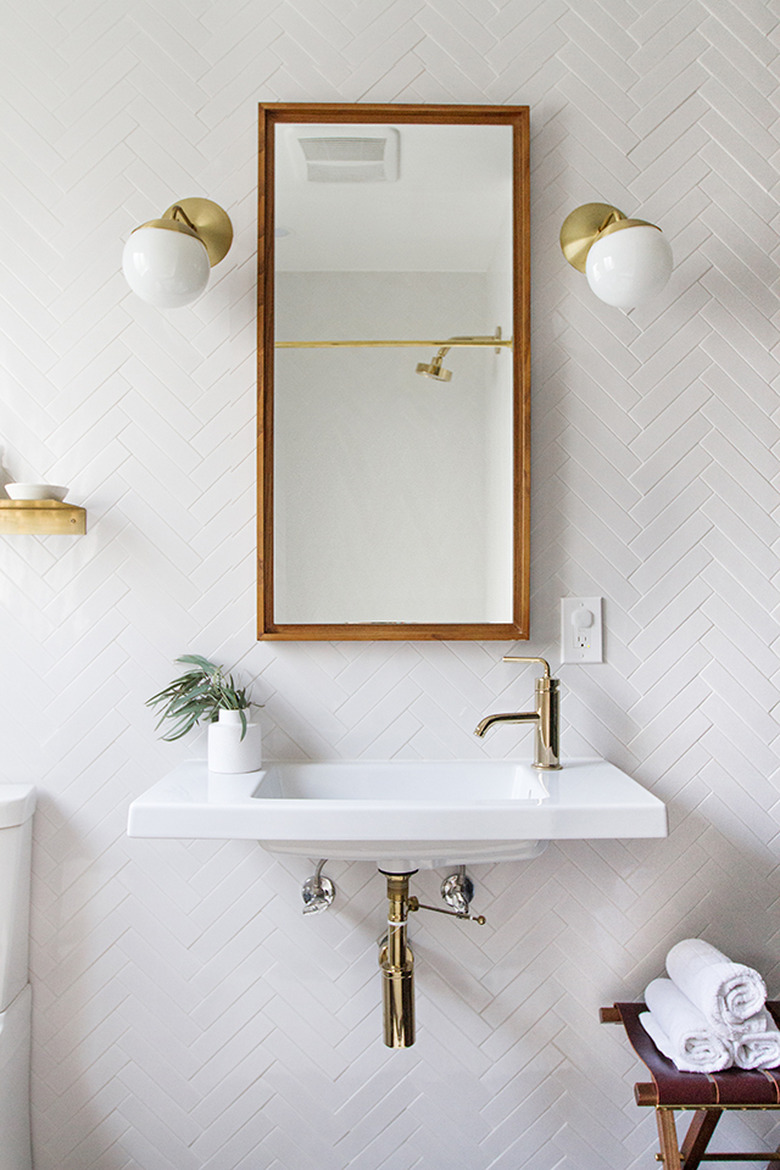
x=451, y=343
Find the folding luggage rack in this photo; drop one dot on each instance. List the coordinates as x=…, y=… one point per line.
x=709, y=1094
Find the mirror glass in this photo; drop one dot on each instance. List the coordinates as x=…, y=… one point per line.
x=392, y=402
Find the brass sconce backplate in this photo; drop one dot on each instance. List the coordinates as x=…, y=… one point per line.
x=588, y=223
x=209, y=221
x=581, y=229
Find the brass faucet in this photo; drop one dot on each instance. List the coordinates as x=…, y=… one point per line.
x=545, y=718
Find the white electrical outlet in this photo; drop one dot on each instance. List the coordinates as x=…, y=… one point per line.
x=581, y=629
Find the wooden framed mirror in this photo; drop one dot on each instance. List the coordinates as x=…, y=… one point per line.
x=394, y=359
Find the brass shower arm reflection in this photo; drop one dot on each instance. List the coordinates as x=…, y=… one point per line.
x=450, y=342
x=431, y=369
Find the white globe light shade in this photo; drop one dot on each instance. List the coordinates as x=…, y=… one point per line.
x=166, y=268
x=627, y=267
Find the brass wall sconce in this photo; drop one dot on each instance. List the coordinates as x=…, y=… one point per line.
x=167, y=261
x=626, y=261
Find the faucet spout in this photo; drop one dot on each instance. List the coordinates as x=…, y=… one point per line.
x=512, y=717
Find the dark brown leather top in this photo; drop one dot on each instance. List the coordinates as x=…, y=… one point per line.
x=734, y=1086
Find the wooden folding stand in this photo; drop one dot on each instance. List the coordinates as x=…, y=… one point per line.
x=709, y=1094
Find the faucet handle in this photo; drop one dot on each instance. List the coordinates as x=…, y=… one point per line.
x=519, y=658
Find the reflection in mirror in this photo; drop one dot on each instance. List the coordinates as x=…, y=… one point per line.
x=394, y=405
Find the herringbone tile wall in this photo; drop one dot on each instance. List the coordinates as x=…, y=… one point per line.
x=187, y=1016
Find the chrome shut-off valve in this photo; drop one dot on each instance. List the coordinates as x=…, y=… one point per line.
x=457, y=890
x=318, y=891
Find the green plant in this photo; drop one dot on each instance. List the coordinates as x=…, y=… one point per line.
x=200, y=693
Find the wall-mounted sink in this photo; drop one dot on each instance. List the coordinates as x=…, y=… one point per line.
x=401, y=813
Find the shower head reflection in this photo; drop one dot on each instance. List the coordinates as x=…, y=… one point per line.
x=434, y=369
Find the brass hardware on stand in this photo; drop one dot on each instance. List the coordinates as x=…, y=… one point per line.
x=775, y=1157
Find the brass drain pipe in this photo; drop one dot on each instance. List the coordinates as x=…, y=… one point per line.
x=397, y=965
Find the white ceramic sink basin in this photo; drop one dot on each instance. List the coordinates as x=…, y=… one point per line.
x=413, y=813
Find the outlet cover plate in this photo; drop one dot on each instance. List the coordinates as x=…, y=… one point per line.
x=581, y=630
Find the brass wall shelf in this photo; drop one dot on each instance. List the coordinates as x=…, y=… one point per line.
x=41, y=518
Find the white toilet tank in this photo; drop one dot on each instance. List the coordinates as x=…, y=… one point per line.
x=17, y=804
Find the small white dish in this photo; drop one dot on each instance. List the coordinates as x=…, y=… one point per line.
x=36, y=491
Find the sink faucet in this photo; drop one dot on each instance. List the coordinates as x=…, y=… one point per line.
x=544, y=718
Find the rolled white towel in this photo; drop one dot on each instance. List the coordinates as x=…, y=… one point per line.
x=758, y=1048
x=680, y=1031
x=727, y=993
x=685, y=1064
x=760, y=1022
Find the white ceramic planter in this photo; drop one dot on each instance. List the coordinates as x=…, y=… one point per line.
x=227, y=751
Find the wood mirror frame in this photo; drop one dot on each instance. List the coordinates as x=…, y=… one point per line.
x=517, y=117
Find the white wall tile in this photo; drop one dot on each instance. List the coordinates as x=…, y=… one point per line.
x=187, y=1015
